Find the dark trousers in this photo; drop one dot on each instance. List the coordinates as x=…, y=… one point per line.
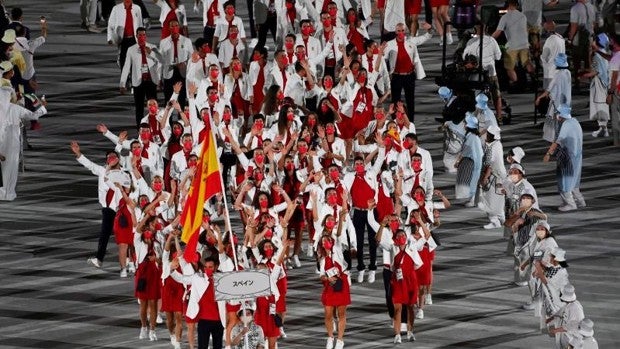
x=106, y=8
x=207, y=34
x=250, y=4
x=107, y=222
x=269, y=25
x=145, y=12
x=387, y=36
x=210, y=328
x=228, y=160
x=122, y=50
x=428, y=12
x=169, y=87
x=407, y=83
x=146, y=90
x=360, y=223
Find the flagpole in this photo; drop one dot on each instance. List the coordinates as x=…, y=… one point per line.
x=227, y=216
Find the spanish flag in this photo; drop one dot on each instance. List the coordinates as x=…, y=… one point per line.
x=206, y=182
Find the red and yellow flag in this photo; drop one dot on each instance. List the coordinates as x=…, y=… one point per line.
x=206, y=183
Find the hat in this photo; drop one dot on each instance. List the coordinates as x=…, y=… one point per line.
x=481, y=101
x=602, y=41
x=586, y=328
x=568, y=293
x=249, y=305
x=495, y=131
x=518, y=167
x=444, y=92
x=470, y=120
x=559, y=254
x=9, y=36
x=544, y=224
x=529, y=192
x=564, y=111
x=158, y=173
x=561, y=60
x=6, y=66
x=517, y=154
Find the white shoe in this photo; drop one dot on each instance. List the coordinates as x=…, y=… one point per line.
x=124, y=272
x=528, y=306
x=471, y=203
x=330, y=343
x=521, y=283
x=93, y=29
x=173, y=339
x=606, y=133
x=360, y=276
x=449, y=39
x=152, y=335
x=410, y=336
x=94, y=262
x=371, y=276
x=131, y=267
x=565, y=208
x=159, y=319
x=176, y=345
x=492, y=225
x=309, y=250
x=144, y=333
x=296, y=261
x=428, y=299
x=397, y=339
x=419, y=314
x=282, y=333
x=339, y=344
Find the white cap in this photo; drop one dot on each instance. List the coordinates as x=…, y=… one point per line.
x=518, y=154
x=9, y=36
x=559, y=254
x=568, y=293
x=495, y=131
x=586, y=328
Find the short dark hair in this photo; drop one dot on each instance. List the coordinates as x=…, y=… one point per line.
x=199, y=42
x=141, y=29
x=16, y=13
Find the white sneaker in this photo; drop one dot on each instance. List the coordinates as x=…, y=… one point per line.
x=296, y=261
x=176, y=345
x=371, y=277
x=339, y=344
x=94, y=262
x=471, y=203
x=94, y=29
x=521, y=283
x=492, y=225
x=419, y=314
x=124, y=272
x=152, y=335
x=330, y=343
x=397, y=339
x=528, y=306
x=606, y=133
x=410, y=336
x=144, y=333
x=282, y=333
x=309, y=250
x=449, y=39
x=131, y=267
x=173, y=339
x=565, y=208
x=360, y=276
x=428, y=299
x=159, y=319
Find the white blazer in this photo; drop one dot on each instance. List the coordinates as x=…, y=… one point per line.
x=133, y=63
x=116, y=22
x=411, y=46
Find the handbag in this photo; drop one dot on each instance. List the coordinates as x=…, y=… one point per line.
x=337, y=285
x=141, y=285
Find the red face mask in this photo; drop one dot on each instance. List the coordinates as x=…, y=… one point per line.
x=259, y=176
x=400, y=240
x=214, y=73
x=330, y=130
x=307, y=31
x=211, y=241
x=394, y=225
x=417, y=165
x=237, y=67
x=111, y=160
x=230, y=11
x=268, y=234
x=290, y=166
x=324, y=108
x=256, y=57
x=302, y=149
x=308, y=139
x=280, y=95
x=418, y=197
x=289, y=46
x=226, y=116
x=352, y=19
x=361, y=79
x=359, y=169
x=259, y=125
x=145, y=136
x=206, y=49
x=332, y=200
x=209, y=272
x=187, y=145
x=311, y=123
x=334, y=175
x=263, y=204
x=141, y=40
x=269, y=253
x=175, y=30
x=136, y=152
x=259, y=158
x=333, y=12
x=143, y=203
x=192, y=163
x=159, y=226
x=406, y=144
x=158, y=186
x=375, y=51
x=379, y=116
x=290, y=116
x=213, y=98
x=328, y=83
x=326, y=23
x=289, y=5
x=153, y=109
x=300, y=56
x=177, y=132
x=400, y=115
x=233, y=36
x=327, y=245
x=400, y=36
x=147, y=235
x=330, y=225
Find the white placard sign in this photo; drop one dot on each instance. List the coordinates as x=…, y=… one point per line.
x=239, y=285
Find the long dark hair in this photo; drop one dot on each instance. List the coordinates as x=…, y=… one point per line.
x=270, y=103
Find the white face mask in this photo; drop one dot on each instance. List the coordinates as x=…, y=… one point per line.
x=526, y=202
x=246, y=320
x=541, y=233
x=514, y=178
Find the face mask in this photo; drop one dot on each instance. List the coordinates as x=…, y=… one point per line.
x=233, y=36
x=400, y=115
x=136, y=152
x=259, y=158
x=175, y=30
x=211, y=240
x=147, y=235
x=145, y=136
x=324, y=108
x=514, y=178
x=330, y=225
x=394, y=225
x=256, y=57
x=400, y=36
x=259, y=177
x=400, y=240
x=153, y=109
x=237, y=67
x=333, y=12
x=375, y=51
x=280, y=95
x=289, y=5
x=246, y=320
x=334, y=175
x=269, y=253
x=187, y=145
x=191, y=163
x=302, y=149
x=300, y=56
x=209, y=272
x=541, y=233
x=307, y=138
x=230, y=11
x=418, y=197
x=290, y=166
x=226, y=116
x=141, y=40
x=326, y=23
x=158, y=186
x=352, y=19
x=417, y=166
x=307, y=31
x=214, y=74
x=526, y=202
x=177, y=132
x=144, y=203
x=263, y=204
x=206, y=49
x=332, y=200
x=290, y=116
x=327, y=245
x=330, y=130
x=359, y=168
x=379, y=116
x=361, y=79
x=289, y=46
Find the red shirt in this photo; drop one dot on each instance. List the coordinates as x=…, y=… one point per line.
x=403, y=60
x=356, y=39
x=128, y=33
x=361, y=192
x=212, y=13
x=208, y=309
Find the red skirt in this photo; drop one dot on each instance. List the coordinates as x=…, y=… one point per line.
x=282, y=288
x=232, y=308
x=188, y=319
x=172, y=296
x=381, y=4
x=437, y=3
x=404, y=291
x=345, y=127
x=264, y=319
x=333, y=298
x=425, y=272
x=150, y=272
x=413, y=7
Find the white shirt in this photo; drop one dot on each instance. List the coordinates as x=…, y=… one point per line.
x=27, y=47
x=184, y=53
x=490, y=52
